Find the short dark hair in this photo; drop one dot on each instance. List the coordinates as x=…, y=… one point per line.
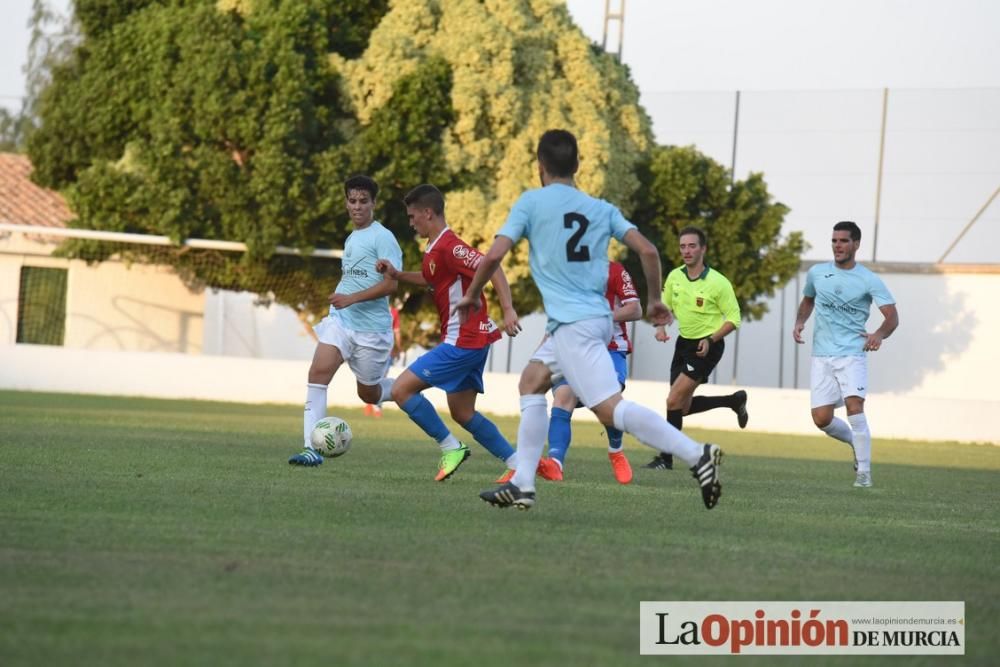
x=558, y=153
x=361, y=182
x=697, y=231
x=848, y=226
x=425, y=196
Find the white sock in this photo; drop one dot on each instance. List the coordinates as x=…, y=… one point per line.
x=653, y=431
x=315, y=410
x=531, y=435
x=386, y=384
x=839, y=430
x=511, y=462
x=862, y=441
x=449, y=443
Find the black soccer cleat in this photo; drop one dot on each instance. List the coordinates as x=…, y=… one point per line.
x=508, y=495
x=661, y=462
x=742, y=416
x=706, y=472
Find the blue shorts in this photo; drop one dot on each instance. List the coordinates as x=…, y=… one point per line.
x=452, y=368
x=621, y=369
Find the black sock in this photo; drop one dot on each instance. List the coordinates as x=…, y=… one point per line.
x=703, y=403
x=676, y=418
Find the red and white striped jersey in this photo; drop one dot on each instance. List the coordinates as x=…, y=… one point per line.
x=621, y=290
x=448, y=267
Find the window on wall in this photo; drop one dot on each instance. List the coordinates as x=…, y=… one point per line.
x=41, y=306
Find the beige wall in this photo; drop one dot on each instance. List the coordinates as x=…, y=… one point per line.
x=110, y=306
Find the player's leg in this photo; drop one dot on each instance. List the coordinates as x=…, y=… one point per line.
x=582, y=355
x=825, y=396
x=852, y=376
x=327, y=359
x=406, y=392
x=560, y=433
x=737, y=401
x=536, y=379
x=620, y=466
x=462, y=405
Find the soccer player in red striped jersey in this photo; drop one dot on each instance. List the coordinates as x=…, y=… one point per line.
x=623, y=298
x=456, y=363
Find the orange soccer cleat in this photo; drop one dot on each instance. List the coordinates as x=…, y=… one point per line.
x=506, y=476
x=621, y=467
x=550, y=469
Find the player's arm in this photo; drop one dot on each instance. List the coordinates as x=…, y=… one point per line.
x=649, y=258
x=805, y=310
x=491, y=262
x=730, y=309
x=628, y=312
x=511, y=322
x=873, y=341
x=386, y=268
x=385, y=288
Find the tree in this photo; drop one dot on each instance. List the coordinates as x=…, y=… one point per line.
x=203, y=119
x=517, y=69
x=681, y=187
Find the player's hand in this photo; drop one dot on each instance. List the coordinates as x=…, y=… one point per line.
x=873, y=341
x=465, y=307
x=703, y=346
x=797, y=333
x=658, y=313
x=340, y=301
x=384, y=266
x=511, y=322
x=662, y=334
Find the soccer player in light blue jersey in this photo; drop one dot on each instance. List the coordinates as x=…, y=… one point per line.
x=358, y=329
x=568, y=234
x=841, y=292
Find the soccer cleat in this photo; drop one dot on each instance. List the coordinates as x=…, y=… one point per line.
x=620, y=466
x=742, y=416
x=661, y=462
x=706, y=473
x=307, y=457
x=506, y=476
x=550, y=469
x=450, y=461
x=509, y=495
x=863, y=480
x=373, y=410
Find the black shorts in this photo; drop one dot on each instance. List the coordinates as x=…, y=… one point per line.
x=686, y=360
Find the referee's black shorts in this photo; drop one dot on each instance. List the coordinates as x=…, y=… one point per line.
x=686, y=360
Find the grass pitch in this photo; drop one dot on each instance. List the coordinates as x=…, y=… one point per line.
x=152, y=532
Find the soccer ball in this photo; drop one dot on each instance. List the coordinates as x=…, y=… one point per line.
x=331, y=436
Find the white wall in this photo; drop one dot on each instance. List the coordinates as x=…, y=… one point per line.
x=163, y=375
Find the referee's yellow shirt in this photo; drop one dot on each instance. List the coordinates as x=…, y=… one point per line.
x=700, y=305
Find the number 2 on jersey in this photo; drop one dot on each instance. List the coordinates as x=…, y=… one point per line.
x=573, y=252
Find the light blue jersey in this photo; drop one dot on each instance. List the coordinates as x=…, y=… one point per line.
x=362, y=249
x=568, y=234
x=843, y=301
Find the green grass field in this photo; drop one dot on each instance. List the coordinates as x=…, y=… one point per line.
x=148, y=532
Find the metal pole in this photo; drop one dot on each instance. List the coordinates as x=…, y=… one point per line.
x=971, y=222
x=781, y=341
x=881, y=161
x=795, y=380
x=732, y=182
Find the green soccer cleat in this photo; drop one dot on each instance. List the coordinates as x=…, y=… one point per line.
x=450, y=461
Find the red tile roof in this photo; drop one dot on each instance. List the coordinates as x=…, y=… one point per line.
x=24, y=203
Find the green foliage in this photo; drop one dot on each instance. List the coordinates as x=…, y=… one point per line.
x=683, y=187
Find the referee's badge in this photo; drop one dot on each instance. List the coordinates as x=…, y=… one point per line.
x=699, y=302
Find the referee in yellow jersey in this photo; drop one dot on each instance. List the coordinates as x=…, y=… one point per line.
x=703, y=301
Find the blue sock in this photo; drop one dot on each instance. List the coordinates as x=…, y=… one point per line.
x=489, y=436
x=426, y=417
x=614, y=438
x=559, y=434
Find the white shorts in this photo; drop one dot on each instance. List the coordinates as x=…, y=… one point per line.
x=833, y=379
x=578, y=352
x=367, y=353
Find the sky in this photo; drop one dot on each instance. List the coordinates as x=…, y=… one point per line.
x=723, y=45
